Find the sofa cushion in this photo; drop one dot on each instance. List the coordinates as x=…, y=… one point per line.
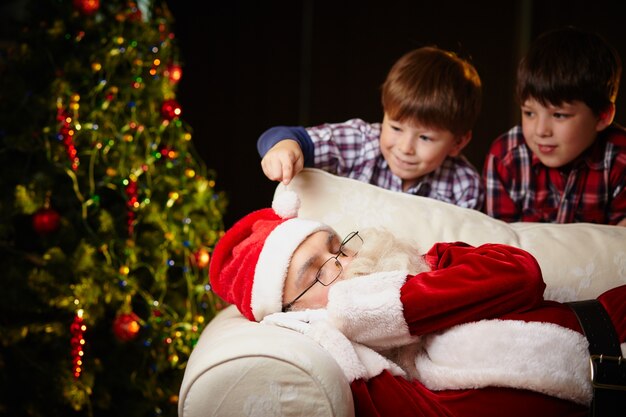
x=579, y=260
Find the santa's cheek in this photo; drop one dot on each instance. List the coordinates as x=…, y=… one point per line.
x=320, y=298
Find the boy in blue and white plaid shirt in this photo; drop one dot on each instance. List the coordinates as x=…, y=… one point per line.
x=431, y=100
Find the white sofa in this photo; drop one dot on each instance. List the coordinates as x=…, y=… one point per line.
x=245, y=369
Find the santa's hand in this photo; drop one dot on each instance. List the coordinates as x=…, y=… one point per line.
x=355, y=360
x=323, y=333
x=310, y=315
x=298, y=320
x=368, y=309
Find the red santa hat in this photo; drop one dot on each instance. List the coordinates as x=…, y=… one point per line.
x=249, y=264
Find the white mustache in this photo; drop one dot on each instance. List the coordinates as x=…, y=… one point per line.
x=382, y=251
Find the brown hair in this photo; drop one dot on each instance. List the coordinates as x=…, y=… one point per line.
x=569, y=64
x=435, y=88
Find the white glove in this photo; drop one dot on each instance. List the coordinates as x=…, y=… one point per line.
x=355, y=360
x=368, y=309
x=298, y=320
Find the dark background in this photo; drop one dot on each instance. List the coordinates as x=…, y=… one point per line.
x=250, y=65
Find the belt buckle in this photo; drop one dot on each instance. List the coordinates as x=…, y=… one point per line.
x=607, y=370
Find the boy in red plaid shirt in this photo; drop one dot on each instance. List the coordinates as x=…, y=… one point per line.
x=566, y=163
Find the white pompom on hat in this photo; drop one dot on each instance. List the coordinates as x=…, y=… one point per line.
x=250, y=262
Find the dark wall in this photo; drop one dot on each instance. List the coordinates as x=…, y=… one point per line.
x=240, y=76
x=249, y=65
x=252, y=65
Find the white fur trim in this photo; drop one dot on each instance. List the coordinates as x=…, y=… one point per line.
x=541, y=357
x=375, y=363
x=286, y=204
x=271, y=268
x=340, y=348
x=355, y=360
x=368, y=310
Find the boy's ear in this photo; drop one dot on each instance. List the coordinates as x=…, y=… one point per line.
x=461, y=143
x=606, y=118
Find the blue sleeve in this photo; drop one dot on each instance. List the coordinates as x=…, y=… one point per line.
x=275, y=134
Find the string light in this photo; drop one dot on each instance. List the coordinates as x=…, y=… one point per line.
x=77, y=341
x=124, y=147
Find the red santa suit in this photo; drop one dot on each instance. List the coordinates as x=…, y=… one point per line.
x=471, y=337
x=472, y=317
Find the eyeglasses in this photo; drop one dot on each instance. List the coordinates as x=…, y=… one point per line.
x=332, y=268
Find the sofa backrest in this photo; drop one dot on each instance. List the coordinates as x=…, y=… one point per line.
x=579, y=260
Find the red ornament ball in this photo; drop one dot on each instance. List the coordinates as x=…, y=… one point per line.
x=134, y=14
x=126, y=326
x=170, y=109
x=87, y=7
x=46, y=220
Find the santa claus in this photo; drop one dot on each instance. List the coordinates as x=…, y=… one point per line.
x=457, y=331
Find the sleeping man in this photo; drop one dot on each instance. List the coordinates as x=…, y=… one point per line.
x=457, y=331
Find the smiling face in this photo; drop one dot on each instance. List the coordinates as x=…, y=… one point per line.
x=413, y=151
x=559, y=134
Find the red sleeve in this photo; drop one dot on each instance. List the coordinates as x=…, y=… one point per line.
x=470, y=283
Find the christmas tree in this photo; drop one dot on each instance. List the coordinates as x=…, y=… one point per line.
x=107, y=217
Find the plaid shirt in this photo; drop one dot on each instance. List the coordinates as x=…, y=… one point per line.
x=590, y=189
x=352, y=149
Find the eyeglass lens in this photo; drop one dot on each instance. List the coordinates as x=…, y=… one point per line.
x=332, y=268
x=351, y=244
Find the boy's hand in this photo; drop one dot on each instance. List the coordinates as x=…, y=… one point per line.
x=283, y=161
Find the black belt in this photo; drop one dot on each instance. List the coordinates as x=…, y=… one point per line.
x=608, y=367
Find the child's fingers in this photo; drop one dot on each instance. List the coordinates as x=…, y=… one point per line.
x=292, y=168
x=291, y=165
x=282, y=166
x=287, y=172
x=272, y=167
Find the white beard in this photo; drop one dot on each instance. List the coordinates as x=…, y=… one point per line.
x=382, y=252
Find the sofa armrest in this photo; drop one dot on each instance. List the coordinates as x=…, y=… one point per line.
x=243, y=368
